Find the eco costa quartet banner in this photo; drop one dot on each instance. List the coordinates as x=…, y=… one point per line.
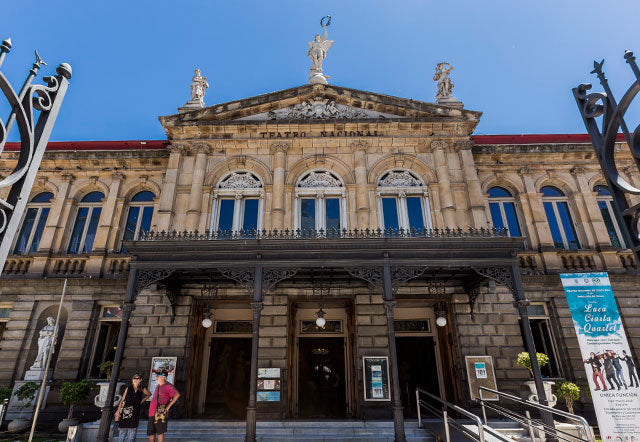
x=603, y=343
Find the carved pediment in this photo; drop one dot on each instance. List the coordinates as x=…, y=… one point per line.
x=318, y=108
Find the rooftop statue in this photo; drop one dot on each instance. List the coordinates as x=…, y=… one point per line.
x=317, y=52
x=445, y=85
x=198, y=87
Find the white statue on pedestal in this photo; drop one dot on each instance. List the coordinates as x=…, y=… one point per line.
x=317, y=52
x=45, y=341
x=198, y=87
x=445, y=86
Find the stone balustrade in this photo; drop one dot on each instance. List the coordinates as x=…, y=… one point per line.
x=67, y=265
x=578, y=260
x=17, y=265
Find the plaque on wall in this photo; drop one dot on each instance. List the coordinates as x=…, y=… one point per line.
x=375, y=376
x=265, y=373
x=268, y=396
x=480, y=373
x=269, y=384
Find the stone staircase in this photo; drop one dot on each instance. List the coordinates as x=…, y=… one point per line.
x=285, y=431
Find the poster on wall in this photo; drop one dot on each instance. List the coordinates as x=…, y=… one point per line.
x=480, y=373
x=157, y=365
x=375, y=376
x=611, y=370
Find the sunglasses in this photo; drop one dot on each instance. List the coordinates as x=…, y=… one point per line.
x=137, y=379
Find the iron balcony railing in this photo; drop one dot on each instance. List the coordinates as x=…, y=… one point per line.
x=331, y=233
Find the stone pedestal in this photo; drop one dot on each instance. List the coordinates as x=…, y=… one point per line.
x=317, y=77
x=14, y=411
x=450, y=101
x=190, y=106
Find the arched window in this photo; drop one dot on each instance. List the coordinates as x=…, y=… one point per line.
x=320, y=202
x=556, y=206
x=84, y=229
x=611, y=219
x=403, y=202
x=502, y=206
x=35, y=218
x=139, y=216
x=237, y=203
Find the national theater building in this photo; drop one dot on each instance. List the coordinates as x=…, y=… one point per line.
x=408, y=235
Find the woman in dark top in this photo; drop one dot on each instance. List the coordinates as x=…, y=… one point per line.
x=610, y=371
x=128, y=413
x=596, y=366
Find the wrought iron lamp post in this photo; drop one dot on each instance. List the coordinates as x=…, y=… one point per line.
x=603, y=104
x=34, y=136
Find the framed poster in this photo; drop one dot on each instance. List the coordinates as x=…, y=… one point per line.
x=268, y=373
x=268, y=396
x=375, y=376
x=157, y=365
x=480, y=373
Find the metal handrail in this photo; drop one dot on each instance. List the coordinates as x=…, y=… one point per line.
x=528, y=421
x=447, y=420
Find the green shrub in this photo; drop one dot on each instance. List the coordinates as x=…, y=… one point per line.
x=75, y=393
x=26, y=393
x=5, y=393
x=524, y=360
x=106, y=367
x=569, y=391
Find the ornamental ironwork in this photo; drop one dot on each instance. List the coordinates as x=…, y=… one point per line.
x=603, y=117
x=34, y=129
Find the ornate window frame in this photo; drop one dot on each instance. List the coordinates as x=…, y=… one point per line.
x=235, y=185
x=316, y=183
x=401, y=184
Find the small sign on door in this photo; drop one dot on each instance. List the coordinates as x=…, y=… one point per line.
x=481, y=370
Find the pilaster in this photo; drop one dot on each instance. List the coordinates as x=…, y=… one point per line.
x=475, y=196
x=279, y=151
x=168, y=193
x=444, y=183
x=362, y=193
x=197, y=183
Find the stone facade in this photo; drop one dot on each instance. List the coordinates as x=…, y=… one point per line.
x=435, y=144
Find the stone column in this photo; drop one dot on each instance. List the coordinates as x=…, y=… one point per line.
x=279, y=151
x=257, y=306
x=197, y=187
x=108, y=211
x=478, y=214
x=168, y=193
x=362, y=187
x=444, y=182
x=396, y=401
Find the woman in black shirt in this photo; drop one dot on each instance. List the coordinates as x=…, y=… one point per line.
x=128, y=413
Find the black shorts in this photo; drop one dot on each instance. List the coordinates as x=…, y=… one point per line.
x=156, y=428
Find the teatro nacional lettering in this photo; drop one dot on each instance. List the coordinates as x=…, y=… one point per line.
x=338, y=133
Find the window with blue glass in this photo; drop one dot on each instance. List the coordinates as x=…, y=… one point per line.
x=86, y=223
x=139, y=217
x=237, y=204
x=319, y=203
x=611, y=219
x=502, y=206
x=35, y=218
x=556, y=207
x=404, y=202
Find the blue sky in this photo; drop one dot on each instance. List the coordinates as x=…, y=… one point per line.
x=133, y=60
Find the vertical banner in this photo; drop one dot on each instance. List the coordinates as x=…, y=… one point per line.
x=611, y=371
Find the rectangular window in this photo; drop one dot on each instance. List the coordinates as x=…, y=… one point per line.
x=25, y=231
x=225, y=216
x=390, y=213
x=569, y=230
x=543, y=338
x=104, y=346
x=307, y=214
x=496, y=215
x=132, y=223
x=512, y=219
x=415, y=213
x=608, y=222
x=91, y=230
x=145, y=222
x=553, y=225
x=250, y=218
x=78, y=229
x=42, y=221
x=332, y=215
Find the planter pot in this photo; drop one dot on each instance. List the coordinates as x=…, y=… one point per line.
x=63, y=426
x=101, y=397
x=551, y=398
x=18, y=425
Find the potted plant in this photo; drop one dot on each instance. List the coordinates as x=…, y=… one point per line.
x=25, y=394
x=72, y=394
x=106, y=368
x=568, y=391
x=524, y=360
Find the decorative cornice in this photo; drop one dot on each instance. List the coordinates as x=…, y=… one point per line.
x=577, y=170
x=438, y=144
x=176, y=148
x=277, y=146
x=526, y=170
x=360, y=145
x=464, y=144
x=117, y=176
x=68, y=177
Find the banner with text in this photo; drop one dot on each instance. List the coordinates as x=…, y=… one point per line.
x=603, y=343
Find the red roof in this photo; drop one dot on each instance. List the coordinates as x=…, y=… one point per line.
x=100, y=145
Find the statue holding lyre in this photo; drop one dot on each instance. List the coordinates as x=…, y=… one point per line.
x=317, y=52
